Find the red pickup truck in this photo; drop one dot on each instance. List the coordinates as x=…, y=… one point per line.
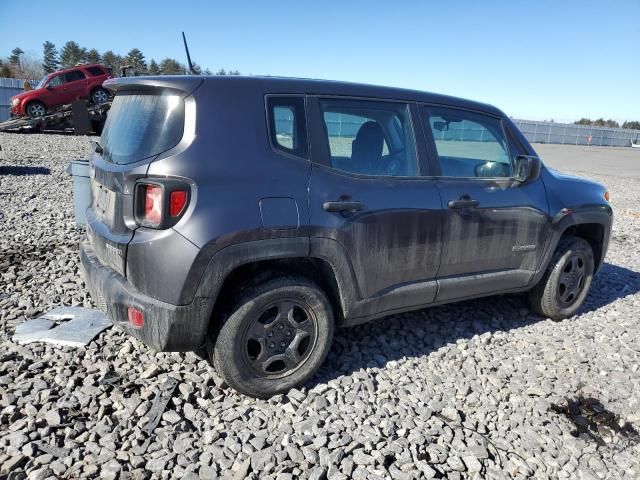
x=62, y=87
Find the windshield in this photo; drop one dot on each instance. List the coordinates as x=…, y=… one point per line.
x=141, y=125
x=42, y=82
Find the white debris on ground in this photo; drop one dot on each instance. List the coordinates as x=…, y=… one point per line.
x=480, y=389
x=69, y=326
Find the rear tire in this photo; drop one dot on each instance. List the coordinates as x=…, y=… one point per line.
x=36, y=109
x=565, y=284
x=99, y=95
x=276, y=337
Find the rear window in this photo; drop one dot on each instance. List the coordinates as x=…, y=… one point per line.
x=73, y=76
x=141, y=125
x=287, y=124
x=95, y=71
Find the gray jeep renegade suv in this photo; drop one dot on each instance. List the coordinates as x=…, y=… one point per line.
x=253, y=216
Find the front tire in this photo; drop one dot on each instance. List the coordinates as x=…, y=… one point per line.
x=565, y=284
x=276, y=338
x=36, y=109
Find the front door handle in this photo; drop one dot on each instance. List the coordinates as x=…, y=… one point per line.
x=343, y=206
x=464, y=201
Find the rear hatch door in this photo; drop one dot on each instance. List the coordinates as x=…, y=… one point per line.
x=145, y=121
x=111, y=206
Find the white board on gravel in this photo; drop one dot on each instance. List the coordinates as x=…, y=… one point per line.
x=68, y=326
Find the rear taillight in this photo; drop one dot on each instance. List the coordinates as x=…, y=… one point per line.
x=152, y=205
x=161, y=203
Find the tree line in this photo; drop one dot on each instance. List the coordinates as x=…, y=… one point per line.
x=22, y=65
x=601, y=122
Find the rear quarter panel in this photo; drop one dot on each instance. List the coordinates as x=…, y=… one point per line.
x=232, y=168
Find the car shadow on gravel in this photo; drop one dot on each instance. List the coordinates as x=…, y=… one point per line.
x=22, y=171
x=420, y=333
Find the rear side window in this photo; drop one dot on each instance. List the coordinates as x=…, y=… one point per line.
x=469, y=144
x=141, y=125
x=95, y=71
x=287, y=125
x=369, y=137
x=73, y=76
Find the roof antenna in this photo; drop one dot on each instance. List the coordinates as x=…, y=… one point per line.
x=186, y=48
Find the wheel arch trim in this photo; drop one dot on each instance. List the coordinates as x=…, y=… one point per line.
x=227, y=260
x=568, y=218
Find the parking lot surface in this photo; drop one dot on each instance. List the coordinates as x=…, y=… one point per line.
x=480, y=389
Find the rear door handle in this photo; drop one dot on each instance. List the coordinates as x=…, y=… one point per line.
x=464, y=201
x=343, y=206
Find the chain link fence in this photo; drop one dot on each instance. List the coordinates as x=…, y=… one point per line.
x=571, y=134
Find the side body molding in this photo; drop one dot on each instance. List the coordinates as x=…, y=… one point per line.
x=357, y=309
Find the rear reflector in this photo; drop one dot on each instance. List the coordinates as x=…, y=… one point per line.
x=136, y=317
x=177, y=201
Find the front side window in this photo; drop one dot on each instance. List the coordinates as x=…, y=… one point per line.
x=469, y=144
x=287, y=125
x=73, y=76
x=55, y=81
x=369, y=137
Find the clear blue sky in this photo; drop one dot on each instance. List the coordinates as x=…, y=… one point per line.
x=536, y=59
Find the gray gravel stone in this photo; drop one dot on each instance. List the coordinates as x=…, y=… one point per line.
x=490, y=367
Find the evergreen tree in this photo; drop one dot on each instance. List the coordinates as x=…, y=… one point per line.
x=170, y=66
x=93, y=56
x=154, y=69
x=71, y=54
x=221, y=72
x=135, y=59
x=5, y=71
x=113, y=61
x=50, y=61
x=109, y=59
x=14, y=58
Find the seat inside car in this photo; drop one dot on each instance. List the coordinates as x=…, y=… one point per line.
x=366, y=148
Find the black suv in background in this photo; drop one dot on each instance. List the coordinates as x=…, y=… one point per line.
x=256, y=215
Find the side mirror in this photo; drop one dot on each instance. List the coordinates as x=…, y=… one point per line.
x=527, y=168
x=48, y=87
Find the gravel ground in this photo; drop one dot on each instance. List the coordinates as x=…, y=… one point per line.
x=460, y=391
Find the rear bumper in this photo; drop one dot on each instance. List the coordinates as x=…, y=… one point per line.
x=167, y=327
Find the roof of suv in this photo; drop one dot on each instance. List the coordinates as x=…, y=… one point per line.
x=76, y=67
x=282, y=85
